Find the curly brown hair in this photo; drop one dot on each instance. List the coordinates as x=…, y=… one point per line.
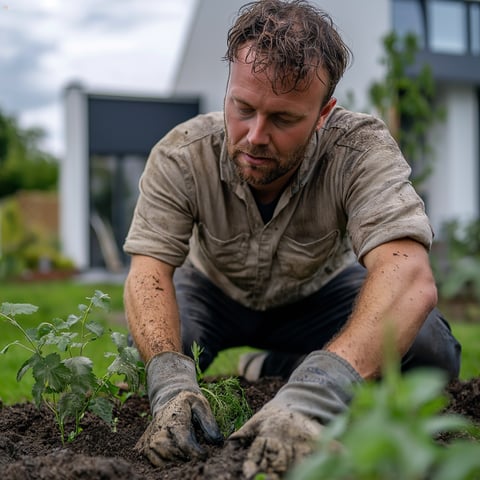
x=288, y=41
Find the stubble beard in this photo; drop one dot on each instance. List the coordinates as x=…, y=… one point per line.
x=270, y=172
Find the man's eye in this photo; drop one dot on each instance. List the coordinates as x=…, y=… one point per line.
x=284, y=121
x=245, y=111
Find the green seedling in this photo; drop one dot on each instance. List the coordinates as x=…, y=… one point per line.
x=64, y=377
x=225, y=396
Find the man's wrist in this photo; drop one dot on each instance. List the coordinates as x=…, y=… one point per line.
x=168, y=374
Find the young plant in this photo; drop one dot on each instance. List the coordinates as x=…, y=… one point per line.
x=64, y=377
x=389, y=433
x=225, y=396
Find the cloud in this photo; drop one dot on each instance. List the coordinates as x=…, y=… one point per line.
x=117, y=45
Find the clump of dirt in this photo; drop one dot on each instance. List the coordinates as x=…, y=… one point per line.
x=30, y=447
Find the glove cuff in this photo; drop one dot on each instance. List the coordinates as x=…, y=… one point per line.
x=321, y=387
x=168, y=374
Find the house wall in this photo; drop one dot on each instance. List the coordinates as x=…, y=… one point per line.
x=452, y=190
x=453, y=186
x=74, y=188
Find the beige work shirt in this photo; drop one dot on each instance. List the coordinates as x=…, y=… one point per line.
x=351, y=193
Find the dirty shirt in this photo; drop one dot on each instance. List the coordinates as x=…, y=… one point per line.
x=350, y=194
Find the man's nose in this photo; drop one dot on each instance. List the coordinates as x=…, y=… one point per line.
x=258, y=133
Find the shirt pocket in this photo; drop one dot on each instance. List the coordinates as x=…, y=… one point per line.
x=228, y=255
x=302, y=260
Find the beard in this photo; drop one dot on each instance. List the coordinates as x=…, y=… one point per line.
x=275, y=168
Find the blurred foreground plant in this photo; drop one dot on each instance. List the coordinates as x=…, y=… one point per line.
x=389, y=434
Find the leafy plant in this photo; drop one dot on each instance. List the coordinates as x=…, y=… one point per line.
x=389, y=433
x=65, y=380
x=225, y=396
x=457, y=263
x=23, y=164
x=23, y=246
x=406, y=102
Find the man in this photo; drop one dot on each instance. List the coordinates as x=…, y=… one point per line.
x=288, y=224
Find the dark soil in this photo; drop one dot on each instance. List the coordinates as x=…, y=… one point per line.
x=30, y=446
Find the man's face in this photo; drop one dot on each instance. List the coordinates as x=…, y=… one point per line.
x=268, y=133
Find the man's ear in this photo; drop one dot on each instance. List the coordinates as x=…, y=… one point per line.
x=325, y=112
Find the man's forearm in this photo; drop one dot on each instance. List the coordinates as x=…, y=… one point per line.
x=151, y=308
x=397, y=296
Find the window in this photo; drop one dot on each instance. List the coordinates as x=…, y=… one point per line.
x=442, y=26
x=408, y=18
x=475, y=28
x=447, y=31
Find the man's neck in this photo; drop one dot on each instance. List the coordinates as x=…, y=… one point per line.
x=266, y=194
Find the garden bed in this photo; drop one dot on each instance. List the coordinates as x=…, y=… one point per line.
x=30, y=446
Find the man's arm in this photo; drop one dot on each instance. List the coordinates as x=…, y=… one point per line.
x=176, y=400
x=151, y=307
x=397, y=296
x=400, y=291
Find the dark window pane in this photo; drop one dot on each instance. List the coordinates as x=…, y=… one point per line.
x=408, y=18
x=475, y=29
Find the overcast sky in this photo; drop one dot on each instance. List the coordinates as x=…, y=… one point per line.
x=125, y=46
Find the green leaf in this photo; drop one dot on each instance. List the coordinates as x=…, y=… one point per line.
x=101, y=300
x=95, y=328
x=461, y=460
x=52, y=373
x=83, y=379
x=127, y=363
x=12, y=309
x=82, y=307
x=70, y=405
x=29, y=363
x=103, y=408
x=64, y=340
x=72, y=320
x=119, y=339
x=44, y=329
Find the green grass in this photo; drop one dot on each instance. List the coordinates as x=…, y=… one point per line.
x=59, y=299
x=468, y=334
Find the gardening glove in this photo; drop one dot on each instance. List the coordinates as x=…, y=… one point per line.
x=284, y=430
x=178, y=406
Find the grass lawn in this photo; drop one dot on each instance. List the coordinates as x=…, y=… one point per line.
x=60, y=299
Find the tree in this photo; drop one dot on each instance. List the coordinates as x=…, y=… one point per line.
x=23, y=164
x=406, y=102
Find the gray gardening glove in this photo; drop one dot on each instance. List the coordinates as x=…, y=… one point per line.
x=177, y=406
x=285, y=429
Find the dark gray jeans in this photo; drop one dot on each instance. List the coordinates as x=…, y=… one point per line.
x=290, y=332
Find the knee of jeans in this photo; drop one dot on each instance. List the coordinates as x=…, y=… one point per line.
x=436, y=347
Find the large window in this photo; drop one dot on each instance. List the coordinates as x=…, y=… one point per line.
x=442, y=26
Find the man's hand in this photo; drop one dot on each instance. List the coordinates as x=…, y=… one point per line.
x=277, y=438
x=285, y=429
x=178, y=406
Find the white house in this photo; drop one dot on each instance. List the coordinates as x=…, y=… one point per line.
x=450, y=34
